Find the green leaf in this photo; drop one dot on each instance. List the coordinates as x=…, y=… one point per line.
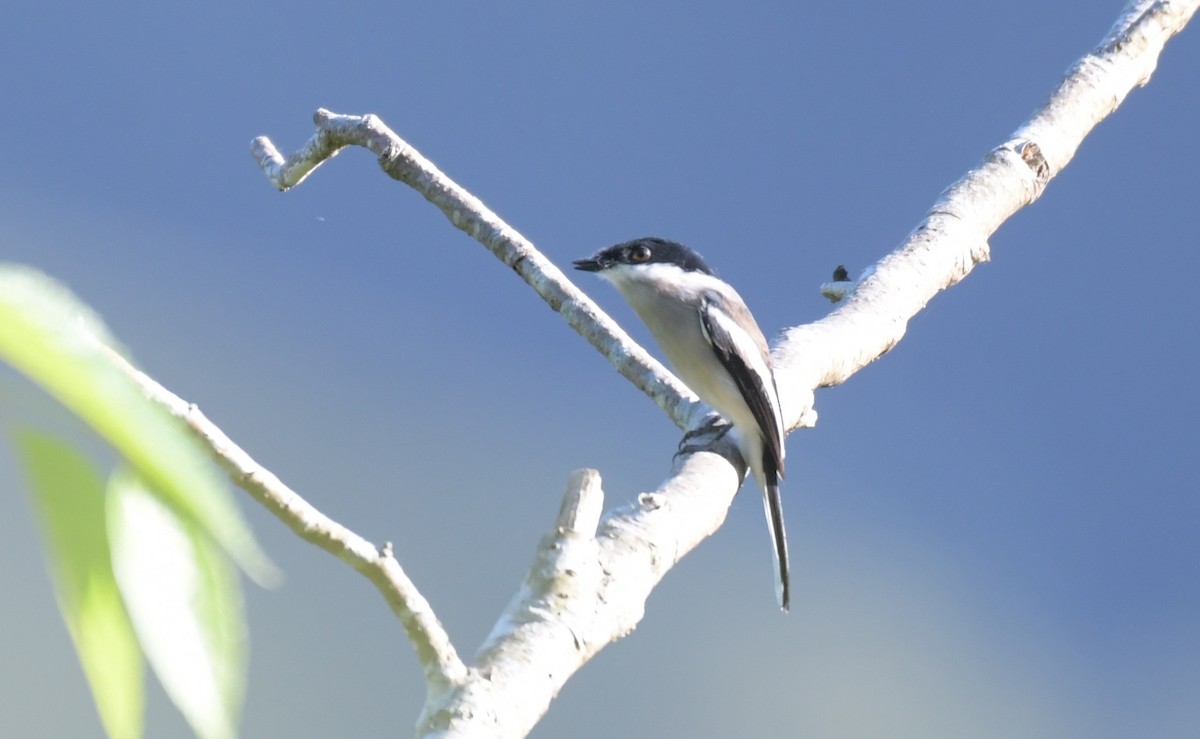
x=185, y=602
x=69, y=498
x=54, y=339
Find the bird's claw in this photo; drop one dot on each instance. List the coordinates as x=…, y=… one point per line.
x=711, y=423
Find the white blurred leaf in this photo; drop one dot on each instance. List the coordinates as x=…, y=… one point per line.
x=185, y=601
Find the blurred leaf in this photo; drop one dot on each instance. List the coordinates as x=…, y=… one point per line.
x=69, y=498
x=185, y=602
x=51, y=337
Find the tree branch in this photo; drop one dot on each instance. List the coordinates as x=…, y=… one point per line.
x=403, y=162
x=952, y=238
x=585, y=592
x=443, y=668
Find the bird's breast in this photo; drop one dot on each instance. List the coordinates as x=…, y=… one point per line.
x=676, y=328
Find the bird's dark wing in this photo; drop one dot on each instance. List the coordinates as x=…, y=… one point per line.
x=743, y=352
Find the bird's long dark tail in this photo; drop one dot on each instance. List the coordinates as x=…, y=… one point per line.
x=773, y=507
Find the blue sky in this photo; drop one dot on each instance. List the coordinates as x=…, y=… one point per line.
x=994, y=528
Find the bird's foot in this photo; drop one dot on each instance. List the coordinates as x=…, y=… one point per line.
x=713, y=424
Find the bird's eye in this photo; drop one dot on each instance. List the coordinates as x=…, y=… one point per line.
x=639, y=254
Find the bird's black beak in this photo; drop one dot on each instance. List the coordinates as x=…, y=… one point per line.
x=589, y=265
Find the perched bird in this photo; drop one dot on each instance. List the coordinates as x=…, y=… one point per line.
x=714, y=345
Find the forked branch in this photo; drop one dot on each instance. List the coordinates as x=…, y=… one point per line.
x=585, y=591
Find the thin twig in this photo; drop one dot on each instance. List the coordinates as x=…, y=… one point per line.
x=443, y=668
x=403, y=162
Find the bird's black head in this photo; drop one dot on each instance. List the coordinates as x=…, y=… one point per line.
x=649, y=250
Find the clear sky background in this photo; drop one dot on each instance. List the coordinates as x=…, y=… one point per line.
x=995, y=528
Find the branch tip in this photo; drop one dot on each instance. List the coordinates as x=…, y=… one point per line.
x=582, y=503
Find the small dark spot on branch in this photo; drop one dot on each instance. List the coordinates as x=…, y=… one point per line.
x=1031, y=154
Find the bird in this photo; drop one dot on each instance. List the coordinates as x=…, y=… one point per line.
x=714, y=345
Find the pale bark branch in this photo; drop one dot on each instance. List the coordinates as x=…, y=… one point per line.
x=442, y=666
x=584, y=592
x=403, y=162
x=953, y=237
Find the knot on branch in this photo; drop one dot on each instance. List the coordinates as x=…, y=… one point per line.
x=1031, y=154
